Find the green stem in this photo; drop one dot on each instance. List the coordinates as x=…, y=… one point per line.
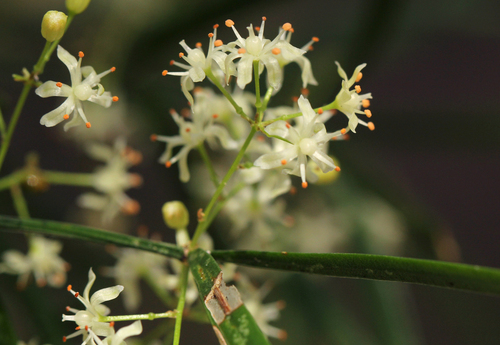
x=208, y=163
x=19, y=202
x=237, y=108
x=87, y=233
x=2, y=124
x=150, y=316
x=68, y=178
x=183, y=281
x=221, y=204
x=202, y=225
x=17, y=177
x=267, y=98
x=258, y=101
x=374, y=267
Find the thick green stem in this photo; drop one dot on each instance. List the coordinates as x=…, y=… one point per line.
x=374, y=267
x=237, y=108
x=150, y=316
x=208, y=163
x=183, y=281
x=202, y=225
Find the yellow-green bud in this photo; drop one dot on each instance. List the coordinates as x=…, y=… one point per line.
x=175, y=214
x=53, y=25
x=77, y=6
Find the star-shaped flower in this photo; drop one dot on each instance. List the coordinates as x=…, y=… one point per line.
x=350, y=101
x=88, y=89
x=307, y=139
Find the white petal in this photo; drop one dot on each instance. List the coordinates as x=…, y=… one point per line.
x=55, y=116
x=72, y=64
x=196, y=74
x=341, y=71
x=223, y=135
x=50, y=89
x=127, y=331
x=104, y=100
x=278, y=128
x=306, y=109
x=105, y=294
x=307, y=74
x=245, y=71
x=274, y=72
x=89, y=284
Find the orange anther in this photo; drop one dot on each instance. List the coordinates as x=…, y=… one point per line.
x=257, y=28
x=215, y=116
x=64, y=339
x=368, y=113
x=304, y=184
x=337, y=169
x=216, y=26
x=315, y=39
x=358, y=78
x=77, y=294
x=264, y=18
x=229, y=23
x=111, y=324
x=357, y=88
x=371, y=126
x=311, y=48
x=305, y=92
x=343, y=131
x=80, y=54
x=68, y=308
x=242, y=51
x=153, y=137
x=188, y=130
x=276, y=51
x=198, y=44
x=210, y=35
x=365, y=103
x=112, y=69
x=287, y=125
x=77, y=328
x=320, y=111
x=59, y=84
x=181, y=55
x=218, y=43
x=165, y=72
x=69, y=287
x=282, y=335
x=260, y=138
x=65, y=116
x=87, y=328
x=115, y=98
x=292, y=30
x=172, y=111
x=88, y=125
x=168, y=164
x=283, y=161
x=131, y=207
x=287, y=26
x=295, y=98
x=293, y=190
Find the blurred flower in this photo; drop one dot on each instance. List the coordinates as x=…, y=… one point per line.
x=123, y=333
x=42, y=260
x=87, y=320
x=87, y=90
x=349, y=101
x=112, y=179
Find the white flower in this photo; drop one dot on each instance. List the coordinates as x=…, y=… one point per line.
x=349, y=101
x=89, y=320
x=199, y=64
x=258, y=48
x=307, y=140
x=88, y=89
x=192, y=134
x=123, y=333
x=42, y=260
x=112, y=180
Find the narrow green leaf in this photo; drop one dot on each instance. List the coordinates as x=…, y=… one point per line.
x=87, y=233
x=235, y=326
x=377, y=267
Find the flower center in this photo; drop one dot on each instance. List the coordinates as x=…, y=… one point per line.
x=84, y=318
x=253, y=45
x=308, y=146
x=83, y=92
x=197, y=56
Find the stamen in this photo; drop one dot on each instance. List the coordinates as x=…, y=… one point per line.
x=282, y=335
x=64, y=339
x=261, y=138
x=131, y=207
x=304, y=184
x=357, y=88
x=305, y=92
x=115, y=98
x=358, y=78
x=337, y=169
x=343, y=131
x=371, y=126
x=112, y=324
x=87, y=328
x=168, y=164
x=65, y=116
x=295, y=99
x=276, y=51
x=88, y=125
x=264, y=18
x=368, y=113
x=292, y=30
x=164, y=73
x=77, y=328
x=69, y=287
x=181, y=55
x=188, y=130
x=216, y=26
x=315, y=39
x=311, y=48
x=80, y=54
x=77, y=294
x=112, y=69
x=287, y=26
x=153, y=137
x=59, y=84
x=172, y=111
x=171, y=63
x=320, y=111
x=210, y=35
x=287, y=125
x=229, y=23
x=68, y=308
x=365, y=103
x=198, y=44
x=215, y=116
x=283, y=161
x=218, y=43
x=257, y=28
x=242, y=51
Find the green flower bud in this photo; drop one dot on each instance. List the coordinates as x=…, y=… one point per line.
x=77, y=6
x=53, y=25
x=175, y=214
